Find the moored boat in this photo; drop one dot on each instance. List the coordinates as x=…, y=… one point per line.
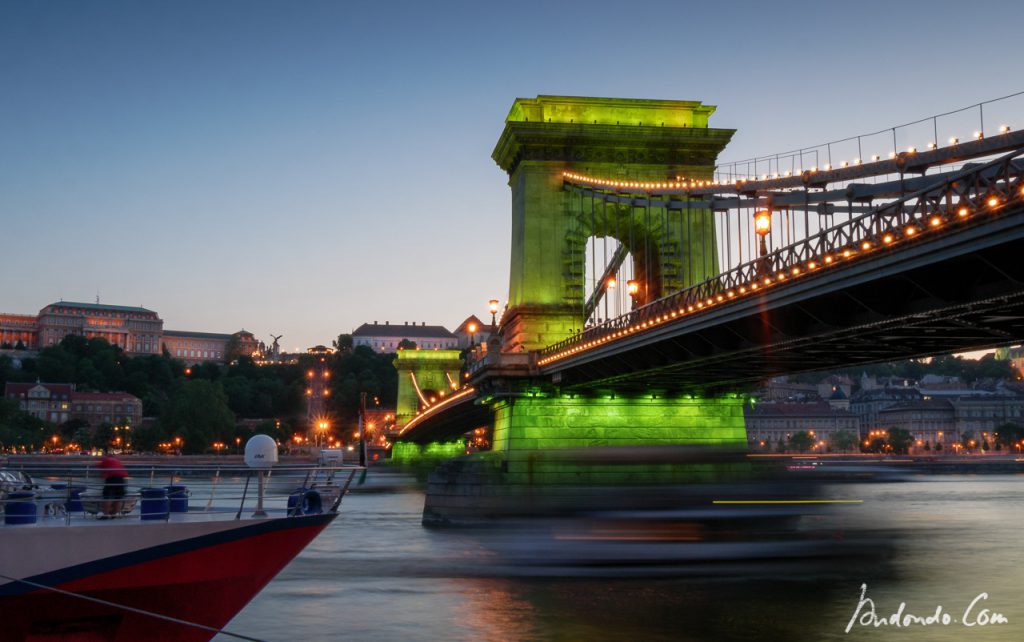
x=75, y=566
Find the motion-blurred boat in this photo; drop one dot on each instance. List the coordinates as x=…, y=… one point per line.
x=73, y=566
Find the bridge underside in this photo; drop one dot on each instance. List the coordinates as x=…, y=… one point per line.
x=952, y=293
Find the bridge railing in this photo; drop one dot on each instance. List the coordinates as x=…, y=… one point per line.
x=980, y=120
x=958, y=199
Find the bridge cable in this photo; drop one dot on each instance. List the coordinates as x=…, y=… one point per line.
x=131, y=609
x=815, y=148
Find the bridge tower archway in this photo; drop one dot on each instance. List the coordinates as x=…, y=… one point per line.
x=612, y=138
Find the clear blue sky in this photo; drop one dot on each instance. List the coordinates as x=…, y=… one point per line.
x=303, y=167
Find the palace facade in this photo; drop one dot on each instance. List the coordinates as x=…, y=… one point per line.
x=136, y=330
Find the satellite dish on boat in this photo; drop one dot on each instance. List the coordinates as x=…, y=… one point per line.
x=260, y=452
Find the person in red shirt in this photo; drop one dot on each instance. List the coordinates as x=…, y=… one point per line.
x=113, y=474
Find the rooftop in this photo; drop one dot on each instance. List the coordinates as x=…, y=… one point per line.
x=404, y=331
x=196, y=335
x=103, y=396
x=815, y=409
x=99, y=306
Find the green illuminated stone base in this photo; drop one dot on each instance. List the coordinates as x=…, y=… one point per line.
x=557, y=454
x=525, y=328
x=404, y=453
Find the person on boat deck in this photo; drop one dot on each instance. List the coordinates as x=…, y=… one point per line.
x=113, y=474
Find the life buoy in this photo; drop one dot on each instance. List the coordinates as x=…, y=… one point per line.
x=305, y=501
x=311, y=503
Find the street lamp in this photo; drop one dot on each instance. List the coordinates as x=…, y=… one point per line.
x=763, y=227
x=493, y=305
x=472, y=331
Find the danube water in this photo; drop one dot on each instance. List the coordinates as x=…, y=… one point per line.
x=376, y=574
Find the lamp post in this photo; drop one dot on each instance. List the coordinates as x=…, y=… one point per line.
x=472, y=331
x=493, y=305
x=763, y=227
x=633, y=289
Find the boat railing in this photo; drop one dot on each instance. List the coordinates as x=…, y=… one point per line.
x=48, y=493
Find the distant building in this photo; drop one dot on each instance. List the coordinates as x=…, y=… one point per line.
x=781, y=388
x=50, y=402
x=18, y=328
x=984, y=414
x=386, y=338
x=196, y=347
x=830, y=384
x=472, y=331
x=930, y=420
x=866, y=404
x=768, y=422
x=57, y=403
x=839, y=399
x=133, y=329
x=114, y=408
x=136, y=330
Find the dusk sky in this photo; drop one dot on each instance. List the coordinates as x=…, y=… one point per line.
x=299, y=168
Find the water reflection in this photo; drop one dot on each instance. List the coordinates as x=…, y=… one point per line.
x=377, y=574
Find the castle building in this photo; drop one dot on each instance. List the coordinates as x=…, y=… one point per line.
x=197, y=347
x=136, y=330
x=386, y=337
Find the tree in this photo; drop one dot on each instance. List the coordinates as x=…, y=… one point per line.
x=103, y=437
x=343, y=343
x=967, y=440
x=18, y=428
x=233, y=350
x=1009, y=435
x=900, y=440
x=198, y=413
x=801, y=441
x=843, y=441
x=406, y=344
x=876, y=445
x=927, y=446
x=147, y=437
x=781, y=445
x=83, y=437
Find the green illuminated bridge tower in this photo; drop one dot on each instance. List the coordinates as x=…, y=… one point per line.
x=831, y=270
x=531, y=420
x=620, y=139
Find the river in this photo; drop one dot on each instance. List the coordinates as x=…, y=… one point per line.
x=377, y=574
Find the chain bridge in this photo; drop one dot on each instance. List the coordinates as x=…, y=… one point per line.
x=651, y=286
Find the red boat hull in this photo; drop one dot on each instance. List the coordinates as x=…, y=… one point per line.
x=203, y=580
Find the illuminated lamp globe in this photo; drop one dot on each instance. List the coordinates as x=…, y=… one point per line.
x=762, y=222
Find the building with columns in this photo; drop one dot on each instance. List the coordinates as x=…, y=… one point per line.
x=136, y=330
x=18, y=328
